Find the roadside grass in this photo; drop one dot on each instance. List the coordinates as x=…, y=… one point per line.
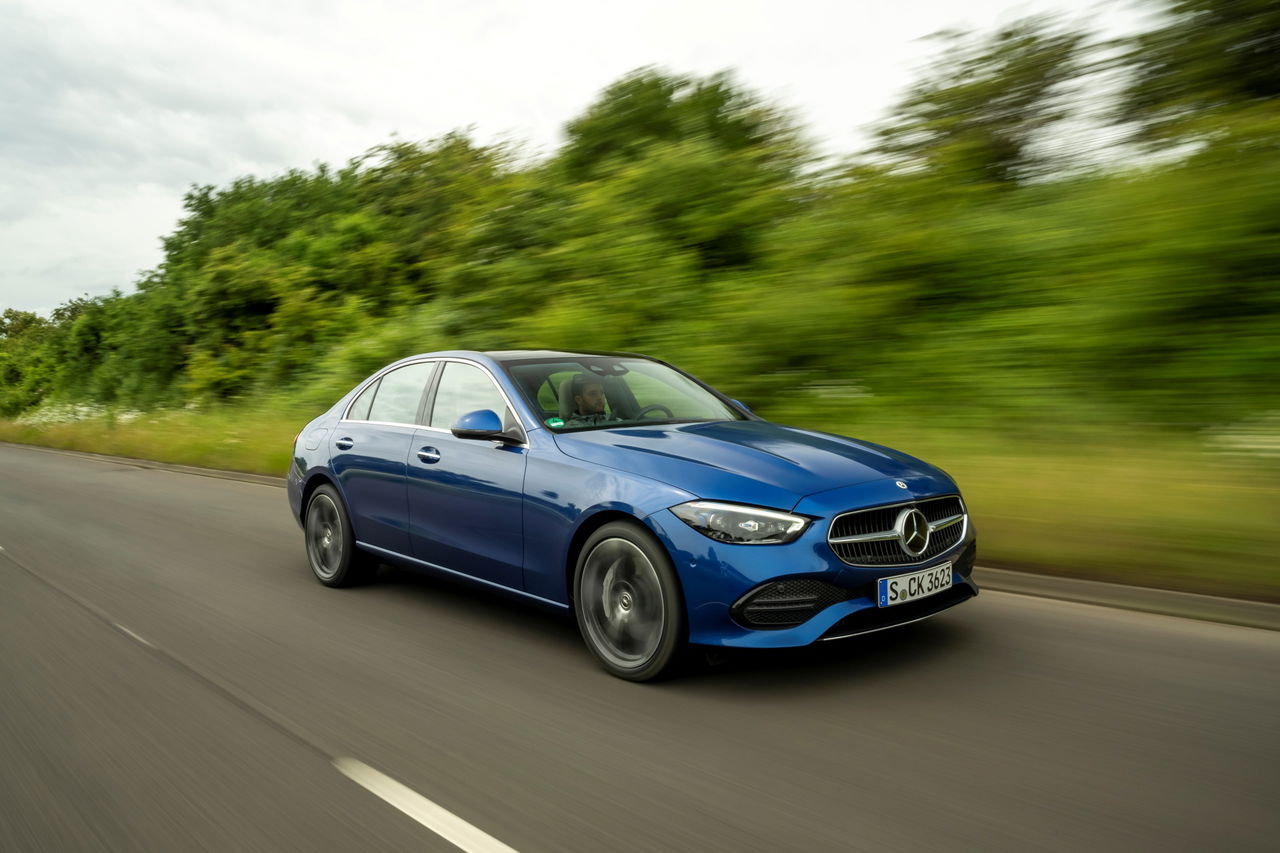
x=1133, y=505
x=236, y=439
x=1145, y=510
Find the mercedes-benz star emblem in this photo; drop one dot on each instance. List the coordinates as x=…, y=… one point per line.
x=913, y=531
x=900, y=484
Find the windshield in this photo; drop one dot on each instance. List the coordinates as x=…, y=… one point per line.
x=598, y=392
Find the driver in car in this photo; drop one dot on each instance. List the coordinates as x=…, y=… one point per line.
x=588, y=402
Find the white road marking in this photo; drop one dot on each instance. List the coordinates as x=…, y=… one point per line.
x=439, y=820
x=131, y=634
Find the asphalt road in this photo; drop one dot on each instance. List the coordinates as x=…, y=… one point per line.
x=172, y=678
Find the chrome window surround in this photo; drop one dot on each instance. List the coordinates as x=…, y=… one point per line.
x=439, y=361
x=892, y=534
x=399, y=367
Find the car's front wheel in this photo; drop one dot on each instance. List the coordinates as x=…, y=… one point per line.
x=331, y=545
x=628, y=602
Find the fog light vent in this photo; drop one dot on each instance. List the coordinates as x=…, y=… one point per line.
x=784, y=604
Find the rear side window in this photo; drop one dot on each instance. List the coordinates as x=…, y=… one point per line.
x=465, y=388
x=400, y=393
x=360, y=408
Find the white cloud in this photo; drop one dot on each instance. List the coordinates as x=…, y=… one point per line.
x=112, y=109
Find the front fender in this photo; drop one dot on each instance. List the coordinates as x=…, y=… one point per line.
x=563, y=496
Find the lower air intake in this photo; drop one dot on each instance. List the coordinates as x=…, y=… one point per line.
x=785, y=604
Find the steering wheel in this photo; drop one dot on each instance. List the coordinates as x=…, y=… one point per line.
x=656, y=407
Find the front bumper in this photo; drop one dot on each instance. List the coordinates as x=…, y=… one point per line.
x=714, y=575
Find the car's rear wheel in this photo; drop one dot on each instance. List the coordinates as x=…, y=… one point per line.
x=331, y=546
x=628, y=602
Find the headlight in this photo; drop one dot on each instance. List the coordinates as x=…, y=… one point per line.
x=741, y=525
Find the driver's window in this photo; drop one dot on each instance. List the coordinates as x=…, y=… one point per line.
x=465, y=388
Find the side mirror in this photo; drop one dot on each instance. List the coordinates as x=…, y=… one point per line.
x=481, y=424
x=743, y=406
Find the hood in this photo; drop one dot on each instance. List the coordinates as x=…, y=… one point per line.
x=754, y=462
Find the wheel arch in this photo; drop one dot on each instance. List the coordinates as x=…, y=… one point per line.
x=315, y=481
x=583, y=533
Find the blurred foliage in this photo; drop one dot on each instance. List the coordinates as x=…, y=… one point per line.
x=952, y=270
x=1209, y=59
x=981, y=107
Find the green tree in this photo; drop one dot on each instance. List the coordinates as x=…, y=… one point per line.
x=23, y=376
x=980, y=107
x=649, y=107
x=14, y=323
x=1208, y=60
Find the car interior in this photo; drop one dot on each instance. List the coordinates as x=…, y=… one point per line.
x=550, y=386
x=618, y=396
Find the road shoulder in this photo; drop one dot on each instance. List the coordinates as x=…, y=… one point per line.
x=1209, y=608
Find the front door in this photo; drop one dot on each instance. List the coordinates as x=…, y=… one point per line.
x=466, y=496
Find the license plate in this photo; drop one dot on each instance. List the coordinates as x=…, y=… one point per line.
x=903, y=588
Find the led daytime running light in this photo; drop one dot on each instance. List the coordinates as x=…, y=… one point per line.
x=739, y=524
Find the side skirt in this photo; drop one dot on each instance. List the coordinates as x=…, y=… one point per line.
x=398, y=557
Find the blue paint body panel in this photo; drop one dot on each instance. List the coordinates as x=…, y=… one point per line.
x=509, y=514
x=371, y=476
x=466, y=508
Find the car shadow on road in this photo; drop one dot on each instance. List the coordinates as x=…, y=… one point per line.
x=937, y=641
x=486, y=609
x=934, y=642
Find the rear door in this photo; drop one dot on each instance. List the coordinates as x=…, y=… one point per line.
x=369, y=452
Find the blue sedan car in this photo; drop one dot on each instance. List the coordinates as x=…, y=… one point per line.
x=659, y=511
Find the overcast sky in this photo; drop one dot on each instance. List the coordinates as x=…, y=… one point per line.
x=111, y=110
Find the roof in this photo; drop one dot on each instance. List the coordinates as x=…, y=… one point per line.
x=518, y=354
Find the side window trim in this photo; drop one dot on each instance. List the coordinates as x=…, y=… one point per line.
x=372, y=390
x=429, y=395
x=435, y=384
x=427, y=403
x=427, y=388
x=377, y=380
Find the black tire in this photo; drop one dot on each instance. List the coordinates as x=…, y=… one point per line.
x=331, y=546
x=628, y=602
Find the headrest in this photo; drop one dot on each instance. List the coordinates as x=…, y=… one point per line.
x=566, y=398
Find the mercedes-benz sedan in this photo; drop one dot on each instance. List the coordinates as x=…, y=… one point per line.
x=659, y=511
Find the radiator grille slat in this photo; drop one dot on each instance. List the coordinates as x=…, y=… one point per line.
x=889, y=552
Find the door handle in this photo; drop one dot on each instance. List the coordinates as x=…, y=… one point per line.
x=429, y=455
x=344, y=443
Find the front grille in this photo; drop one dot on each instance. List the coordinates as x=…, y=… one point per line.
x=880, y=545
x=782, y=604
